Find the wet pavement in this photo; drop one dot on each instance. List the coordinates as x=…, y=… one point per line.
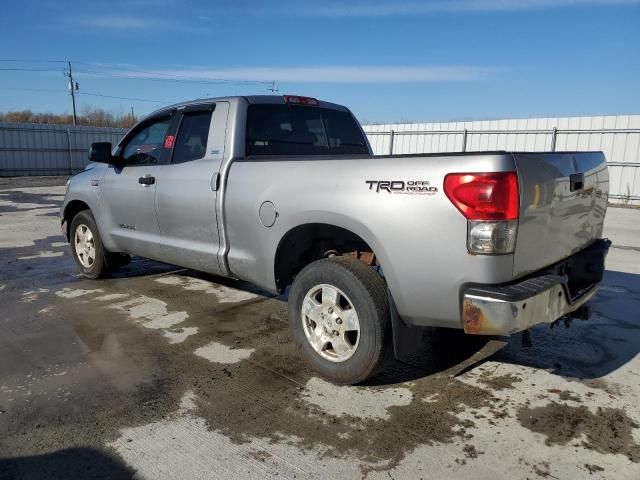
x=161, y=372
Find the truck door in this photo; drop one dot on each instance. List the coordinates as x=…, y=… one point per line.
x=127, y=211
x=187, y=188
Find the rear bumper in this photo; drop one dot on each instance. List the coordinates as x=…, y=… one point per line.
x=541, y=298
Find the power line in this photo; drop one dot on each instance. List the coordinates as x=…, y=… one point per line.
x=127, y=73
x=48, y=90
x=28, y=70
x=131, y=73
x=17, y=60
x=181, y=79
x=32, y=60
x=122, y=98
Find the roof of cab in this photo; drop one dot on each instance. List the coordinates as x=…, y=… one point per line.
x=251, y=99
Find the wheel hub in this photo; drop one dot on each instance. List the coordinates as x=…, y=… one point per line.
x=330, y=323
x=85, y=246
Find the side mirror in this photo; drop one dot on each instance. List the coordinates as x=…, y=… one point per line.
x=100, y=152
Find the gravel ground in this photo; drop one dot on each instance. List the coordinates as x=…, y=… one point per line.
x=163, y=372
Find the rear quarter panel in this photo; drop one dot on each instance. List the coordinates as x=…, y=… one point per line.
x=420, y=239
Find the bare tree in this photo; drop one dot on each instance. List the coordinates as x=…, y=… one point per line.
x=91, y=116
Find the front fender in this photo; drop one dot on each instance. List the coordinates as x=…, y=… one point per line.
x=84, y=189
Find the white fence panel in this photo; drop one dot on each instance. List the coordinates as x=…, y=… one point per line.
x=39, y=149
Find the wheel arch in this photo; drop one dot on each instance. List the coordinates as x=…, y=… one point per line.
x=307, y=242
x=71, y=210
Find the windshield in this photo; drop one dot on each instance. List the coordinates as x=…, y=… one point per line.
x=301, y=130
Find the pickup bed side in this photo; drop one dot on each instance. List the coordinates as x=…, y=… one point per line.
x=419, y=238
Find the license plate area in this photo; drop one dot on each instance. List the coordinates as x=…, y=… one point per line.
x=583, y=270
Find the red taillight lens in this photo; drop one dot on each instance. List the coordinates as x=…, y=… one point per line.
x=297, y=100
x=484, y=196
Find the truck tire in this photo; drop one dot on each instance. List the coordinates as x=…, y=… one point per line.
x=92, y=258
x=339, y=316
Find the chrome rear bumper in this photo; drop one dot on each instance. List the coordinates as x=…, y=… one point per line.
x=542, y=298
x=492, y=316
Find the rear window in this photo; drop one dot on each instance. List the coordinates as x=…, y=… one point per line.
x=299, y=130
x=191, y=143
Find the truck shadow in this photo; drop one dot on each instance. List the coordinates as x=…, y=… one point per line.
x=437, y=351
x=72, y=463
x=588, y=349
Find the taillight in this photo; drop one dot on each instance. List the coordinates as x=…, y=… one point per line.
x=484, y=196
x=490, y=202
x=297, y=100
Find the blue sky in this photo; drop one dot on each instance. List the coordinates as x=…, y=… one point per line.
x=387, y=60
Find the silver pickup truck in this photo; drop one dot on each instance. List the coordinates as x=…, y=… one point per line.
x=284, y=192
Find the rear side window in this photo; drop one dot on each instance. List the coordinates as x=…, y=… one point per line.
x=301, y=130
x=191, y=142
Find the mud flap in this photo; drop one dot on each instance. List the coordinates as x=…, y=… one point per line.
x=406, y=339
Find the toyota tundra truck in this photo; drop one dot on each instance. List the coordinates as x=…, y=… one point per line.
x=284, y=192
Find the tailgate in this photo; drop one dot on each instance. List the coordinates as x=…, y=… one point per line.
x=563, y=200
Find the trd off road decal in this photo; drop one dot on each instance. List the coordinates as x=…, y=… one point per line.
x=410, y=187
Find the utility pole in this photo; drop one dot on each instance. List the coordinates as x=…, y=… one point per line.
x=73, y=87
x=133, y=117
x=273, y=87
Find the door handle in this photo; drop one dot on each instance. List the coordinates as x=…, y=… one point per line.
x=147, y=180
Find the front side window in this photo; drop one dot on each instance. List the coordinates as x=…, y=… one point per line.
x=191, y=142
x=301, y=130
x=146, y=145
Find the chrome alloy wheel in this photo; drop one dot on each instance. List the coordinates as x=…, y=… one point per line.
x=330, y=323
x=85, y=245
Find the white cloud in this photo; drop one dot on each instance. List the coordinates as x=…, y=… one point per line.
x=405, y=8
x=323, y=74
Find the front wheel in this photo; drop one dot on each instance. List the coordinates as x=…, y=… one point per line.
x=339, y=317
x=86, y=246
